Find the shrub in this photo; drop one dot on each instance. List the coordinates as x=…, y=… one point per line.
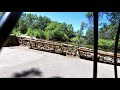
x=23, y=28
x=16, y=32
x=59, y=35
x=38, y=33
x=56, y=35
x=48, y=34
x=90, y=37
x=75, y=39
x=106, y=44
x=29, y=32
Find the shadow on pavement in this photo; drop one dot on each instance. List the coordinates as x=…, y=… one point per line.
x=56, y=77
x=33, y=72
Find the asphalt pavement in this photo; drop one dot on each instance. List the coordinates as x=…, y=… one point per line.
x=28, y=63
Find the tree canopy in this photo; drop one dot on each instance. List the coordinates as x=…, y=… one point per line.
x=45, y=28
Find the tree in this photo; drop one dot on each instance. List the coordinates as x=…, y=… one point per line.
x=103, y=30
x=48, y=34
x=59, y=35
x=113, y=17
x=30, y=18
x=108, y=31
x=30, y=32
x=70, y=31
x=57, y=31
x=22, y=26
x=80, y=32
x=90, y=17
x=43, y=22
x=44, y=27
x=38, y=33
x=90, y=36
x=52, y=26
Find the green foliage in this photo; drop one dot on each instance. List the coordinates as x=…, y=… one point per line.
x=52, y=26
x=79, y=33
x=1, y=14
x=44, y=27
x=75, y=39
x=23, y=29
x=38, y=33
x=89, y=37
x=113, y=17
x=60, y=35
x=108, y=31
x=106, y=44
x=29, y=32
x=56, y=35
x=83, y=41
x=48, y=34
x=90, y=17
x=16, y=32
x=43, y=22
x=22, y=26
x=69, y=31
x=59, y=31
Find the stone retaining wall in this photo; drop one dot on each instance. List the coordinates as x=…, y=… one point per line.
x=66, y=49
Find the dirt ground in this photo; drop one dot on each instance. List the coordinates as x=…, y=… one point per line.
x=28, y=63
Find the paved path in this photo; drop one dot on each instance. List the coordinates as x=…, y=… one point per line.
x=19, y=59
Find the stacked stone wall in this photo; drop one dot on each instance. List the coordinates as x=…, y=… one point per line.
x=66, y=49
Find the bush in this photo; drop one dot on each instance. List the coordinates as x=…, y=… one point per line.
x=29, y=32
x=75, y=39
x=48, y=34
x=106, y=44
x=56, y=35
x=38, y=33
x=90, y=37
x=59, y=35
x=79, y=41
x=84, y=41
x=23, y=28
x=113, y=46
x=16, y=32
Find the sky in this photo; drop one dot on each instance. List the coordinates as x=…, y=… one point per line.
x=74, y=18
